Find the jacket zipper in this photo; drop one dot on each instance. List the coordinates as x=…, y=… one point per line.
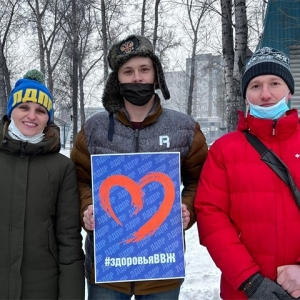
x=136, y=136
x=274, y=127
x=132, y=288
x=22, y=150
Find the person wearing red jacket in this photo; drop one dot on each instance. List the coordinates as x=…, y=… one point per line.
x=247, y=216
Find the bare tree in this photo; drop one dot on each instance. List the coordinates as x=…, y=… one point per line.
x=155, y=23
x=7, y=14
x=143, y=18
x=241, y=36
x=256, y=10
x=48, y=18
x=228, y=56
x=75, y=61
x=234, y=61
x=197, y=11
x=89, y=56
x=109, y=29
x=99, y=24
x=39, y=15
x=104, y=38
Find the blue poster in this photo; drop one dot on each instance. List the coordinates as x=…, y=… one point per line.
x=138, y=224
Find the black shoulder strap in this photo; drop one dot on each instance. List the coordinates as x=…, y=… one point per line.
x=111, y=127
x=275, y=163
x=259, y=146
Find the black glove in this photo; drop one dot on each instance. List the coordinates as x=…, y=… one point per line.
x=258, y=287
x=284, y=297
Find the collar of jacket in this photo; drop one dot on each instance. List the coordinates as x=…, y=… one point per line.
x=151, y=117
x=13, y=147
x=284, y=127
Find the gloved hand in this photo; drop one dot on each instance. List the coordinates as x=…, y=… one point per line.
x=259, y=287
x=284, y=297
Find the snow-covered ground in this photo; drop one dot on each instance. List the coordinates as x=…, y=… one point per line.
x=202, y=276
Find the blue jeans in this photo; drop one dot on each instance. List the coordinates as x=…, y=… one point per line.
x=97, y=292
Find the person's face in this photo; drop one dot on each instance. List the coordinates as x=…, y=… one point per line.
x=137, y=70
x=30, y=118
x=267, y=90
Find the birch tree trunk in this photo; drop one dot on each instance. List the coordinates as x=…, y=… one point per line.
x=234, y=61
x=241, y=36
x=228, y=56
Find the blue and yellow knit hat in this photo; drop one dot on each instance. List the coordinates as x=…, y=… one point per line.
x=31, y=88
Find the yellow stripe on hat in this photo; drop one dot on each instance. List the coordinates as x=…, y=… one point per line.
x=30, y=95
x=45, y=100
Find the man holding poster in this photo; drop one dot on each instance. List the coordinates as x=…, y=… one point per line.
x=121, y=165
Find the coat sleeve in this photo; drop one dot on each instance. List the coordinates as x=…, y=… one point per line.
x=81, y=157
x=69, y=239
x=191, y=168
x=216, y=230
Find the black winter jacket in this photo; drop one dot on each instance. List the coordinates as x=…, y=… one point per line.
x=41, y=244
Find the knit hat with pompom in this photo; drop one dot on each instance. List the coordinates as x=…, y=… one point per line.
x=31, y=88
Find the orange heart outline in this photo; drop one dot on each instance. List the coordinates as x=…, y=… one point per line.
x=135, y=190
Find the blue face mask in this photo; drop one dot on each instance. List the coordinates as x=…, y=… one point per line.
x=269, y=112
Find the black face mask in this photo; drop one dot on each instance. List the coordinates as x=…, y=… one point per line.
x=137, y=93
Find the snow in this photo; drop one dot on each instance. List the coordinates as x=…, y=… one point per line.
x=202, y=276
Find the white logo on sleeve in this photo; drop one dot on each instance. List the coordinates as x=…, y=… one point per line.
x=164, y=139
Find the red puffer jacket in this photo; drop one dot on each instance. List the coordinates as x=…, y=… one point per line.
x=246, y=215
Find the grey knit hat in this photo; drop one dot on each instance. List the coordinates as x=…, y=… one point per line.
x=120, y=53
x=268, y=61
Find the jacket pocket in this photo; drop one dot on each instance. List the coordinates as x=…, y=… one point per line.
x=52, y=242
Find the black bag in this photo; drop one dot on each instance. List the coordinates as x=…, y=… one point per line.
x=275, y=163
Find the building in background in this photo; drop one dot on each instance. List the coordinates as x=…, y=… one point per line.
x=208, y=106
x=177, y=85
x=208, y=98
x=282, y=31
